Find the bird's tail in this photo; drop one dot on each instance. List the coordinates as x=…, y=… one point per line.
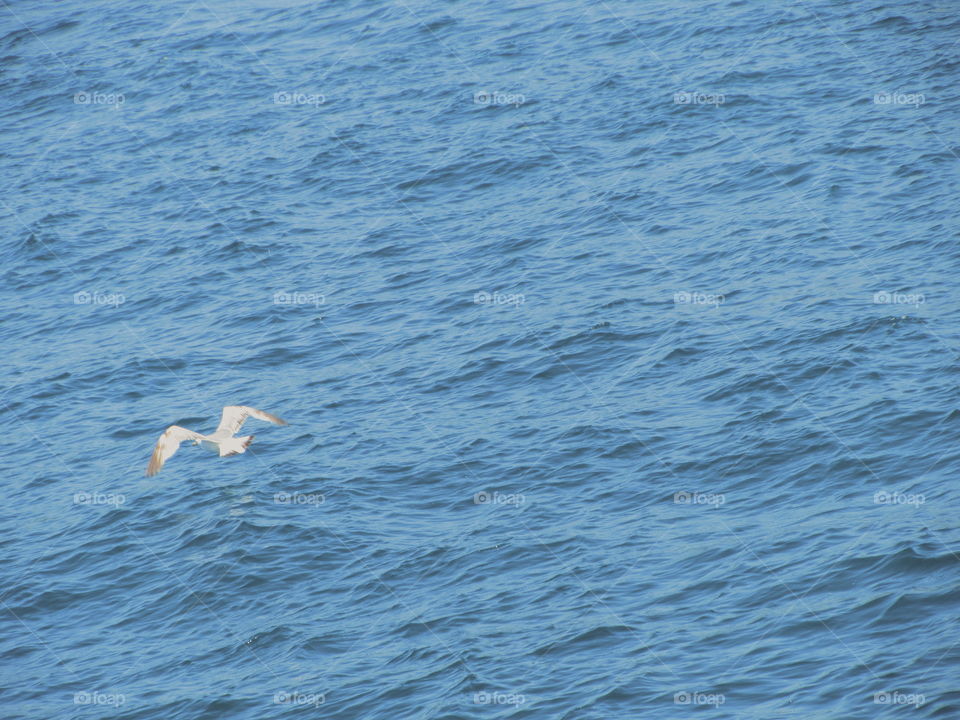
x=235, y=445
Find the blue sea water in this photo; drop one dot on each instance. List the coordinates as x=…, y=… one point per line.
x=618, y=342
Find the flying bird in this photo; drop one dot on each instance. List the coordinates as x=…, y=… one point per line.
x=222, y=440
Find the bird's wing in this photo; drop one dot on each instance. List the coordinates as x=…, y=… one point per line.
x=167, y=445
x=234, y=415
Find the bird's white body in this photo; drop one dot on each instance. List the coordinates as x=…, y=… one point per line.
x=227, y=446
x=222, y=441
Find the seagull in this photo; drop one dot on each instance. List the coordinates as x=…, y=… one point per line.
x=222, y=440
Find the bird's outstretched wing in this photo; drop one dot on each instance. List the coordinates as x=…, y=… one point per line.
x=167, y=445
x=234, y=415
